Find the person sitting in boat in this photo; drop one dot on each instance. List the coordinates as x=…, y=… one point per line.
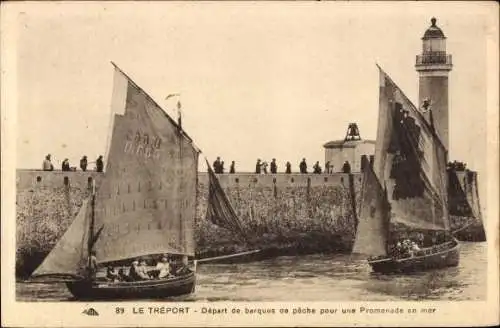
x=111, y=274
x=183, y=268
x=142, y=270
x=163, y=267
x=405, y=248
x=414, y=248
x=397, y=249
x=122, y=276
x=138, y=272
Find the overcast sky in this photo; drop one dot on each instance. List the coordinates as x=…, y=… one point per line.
x=257, y=80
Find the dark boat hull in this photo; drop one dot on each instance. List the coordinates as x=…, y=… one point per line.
x=449, y=256
x=149, y=289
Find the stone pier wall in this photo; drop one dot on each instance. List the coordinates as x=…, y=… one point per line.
x=299, y=212
x=304, y=212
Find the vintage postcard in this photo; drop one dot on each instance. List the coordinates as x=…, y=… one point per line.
x=249, y=164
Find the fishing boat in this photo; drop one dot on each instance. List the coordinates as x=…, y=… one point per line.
x=144, y=208
x=403, y=221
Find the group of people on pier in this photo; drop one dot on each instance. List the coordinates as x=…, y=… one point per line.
x=263, y=167
x=457, y=166
x=65, y=166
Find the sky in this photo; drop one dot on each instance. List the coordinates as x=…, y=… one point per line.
x=257, y=80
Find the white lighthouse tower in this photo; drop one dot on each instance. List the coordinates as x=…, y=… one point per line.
x=433, y=66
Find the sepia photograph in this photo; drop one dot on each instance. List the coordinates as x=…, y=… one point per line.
x=194, y=153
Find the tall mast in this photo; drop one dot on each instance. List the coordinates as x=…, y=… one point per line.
x=90, y=241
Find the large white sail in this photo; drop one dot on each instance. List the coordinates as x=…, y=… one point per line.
x=70, y=254
x=372, y=231
x=146, y=202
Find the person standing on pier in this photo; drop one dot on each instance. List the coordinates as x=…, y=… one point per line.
x=303, y=166
x=317, y=168
x=217, y=165
x=65, y=165
x=274, y=167
x=83, y=163
x=99, y=164
x=264, y=167
x=288, y=169
x=231, y=168
x=257, y=167
x=347, y=167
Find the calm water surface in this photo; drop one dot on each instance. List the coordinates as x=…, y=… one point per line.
x=318, y=278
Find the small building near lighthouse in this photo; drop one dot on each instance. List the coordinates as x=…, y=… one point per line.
x=352, y=148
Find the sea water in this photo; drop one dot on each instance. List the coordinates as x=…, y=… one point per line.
x=318, y=278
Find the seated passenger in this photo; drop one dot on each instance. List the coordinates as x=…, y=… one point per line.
x=111, y=274
x=142, y=271
x=136, y=272
x=414, y=248
x=183, y=268
x=122, y=276
x=163, y=267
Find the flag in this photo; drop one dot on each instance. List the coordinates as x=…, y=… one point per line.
x=172, y=95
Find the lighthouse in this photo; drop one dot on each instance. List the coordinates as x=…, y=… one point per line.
x=433, y=67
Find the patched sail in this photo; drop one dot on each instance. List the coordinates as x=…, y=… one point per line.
x=410, y=161
x=220, y=210
x=146, y=203
x=459, y=205
x=372, y=231
x=464, y=199
x=70, y=254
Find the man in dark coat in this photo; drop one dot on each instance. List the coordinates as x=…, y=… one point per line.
x=274, y=167
x=257, y=167
x=65, y=165
x=288, y=168
x=317, y=168
x=99, y=164
x=83, y=163
x=231, y=168
x=303, y=166
x=347, y=167
x=217, y=165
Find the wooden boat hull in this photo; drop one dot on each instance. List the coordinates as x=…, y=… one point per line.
x=149, y=289
x=447, y=257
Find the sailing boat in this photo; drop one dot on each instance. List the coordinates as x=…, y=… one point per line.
x=144, y=208
x=403, y=198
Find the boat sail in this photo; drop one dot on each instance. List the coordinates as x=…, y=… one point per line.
x=69, y=255
x=410, y=162
x=145, y=204
x=373, y=227
x=464, y=207
x=220, y=210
